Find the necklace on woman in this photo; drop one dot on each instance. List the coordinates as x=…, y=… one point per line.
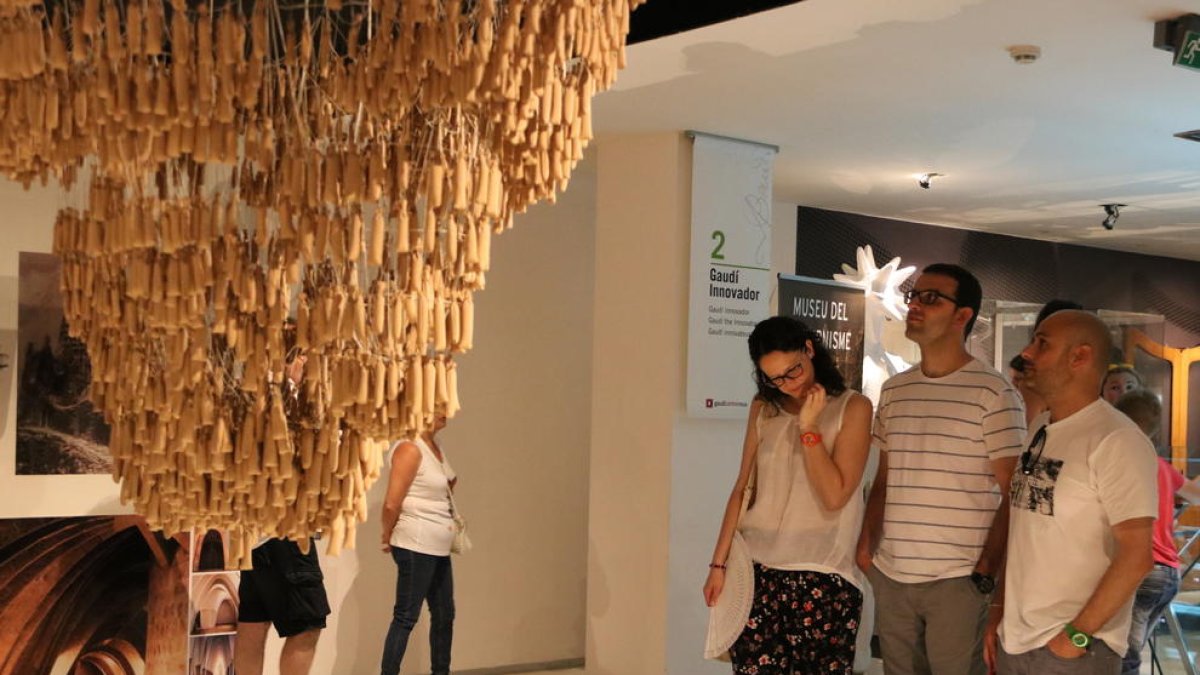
x=433, y=445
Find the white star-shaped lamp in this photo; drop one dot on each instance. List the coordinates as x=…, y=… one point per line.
x=882, y=282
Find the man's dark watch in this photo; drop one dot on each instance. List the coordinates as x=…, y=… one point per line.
x=986, y=583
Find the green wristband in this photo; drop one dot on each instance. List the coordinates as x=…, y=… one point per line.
x=1078, y=638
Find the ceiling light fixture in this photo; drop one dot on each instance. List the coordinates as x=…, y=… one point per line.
x=1112, y=212
x=926, y=179
x=1025, y=54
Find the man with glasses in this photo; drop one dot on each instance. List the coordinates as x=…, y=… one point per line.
x=933, y=538
x=1083, y=508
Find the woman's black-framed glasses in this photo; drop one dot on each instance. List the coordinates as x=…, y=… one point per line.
x=927, y=297
x=779, y=380
x=1028, y=459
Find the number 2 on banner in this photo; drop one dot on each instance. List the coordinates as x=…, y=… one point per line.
x=719, y=237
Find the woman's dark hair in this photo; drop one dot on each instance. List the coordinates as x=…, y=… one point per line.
x=788, y=334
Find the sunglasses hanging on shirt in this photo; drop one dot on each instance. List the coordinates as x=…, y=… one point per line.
x=1028, y=459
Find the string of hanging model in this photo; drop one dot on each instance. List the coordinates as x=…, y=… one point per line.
x=288, y=208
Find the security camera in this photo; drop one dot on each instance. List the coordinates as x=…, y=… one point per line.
x=1112, y=212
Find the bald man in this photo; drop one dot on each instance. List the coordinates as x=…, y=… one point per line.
x=1083, y=503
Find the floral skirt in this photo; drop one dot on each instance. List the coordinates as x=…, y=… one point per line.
x=801, y=623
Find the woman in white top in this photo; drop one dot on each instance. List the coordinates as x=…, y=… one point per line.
x=418, y=530
x=808, y=438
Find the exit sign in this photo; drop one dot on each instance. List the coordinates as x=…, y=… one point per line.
x=1188, y=52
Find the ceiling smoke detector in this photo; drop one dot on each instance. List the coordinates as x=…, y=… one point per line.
x=1024, y=54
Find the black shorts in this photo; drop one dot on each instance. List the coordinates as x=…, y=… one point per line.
x=285, y=587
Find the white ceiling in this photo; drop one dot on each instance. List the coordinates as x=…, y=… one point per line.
x=862, y=95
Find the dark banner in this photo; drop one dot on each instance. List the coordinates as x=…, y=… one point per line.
x=837, y=311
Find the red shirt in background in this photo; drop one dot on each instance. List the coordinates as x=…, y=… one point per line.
x=1169, y=482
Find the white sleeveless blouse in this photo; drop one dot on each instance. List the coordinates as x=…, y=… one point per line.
x=425, y=524
x=788, y=528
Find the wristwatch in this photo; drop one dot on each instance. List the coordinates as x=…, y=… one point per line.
x=1078, y=638
x=808, y=439
x=986, y=583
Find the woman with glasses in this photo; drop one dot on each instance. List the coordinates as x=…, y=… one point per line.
x=807, y=440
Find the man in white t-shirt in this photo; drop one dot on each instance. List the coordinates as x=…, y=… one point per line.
x=1083, y=506
x=949, y=432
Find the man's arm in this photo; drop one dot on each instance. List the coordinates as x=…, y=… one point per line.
x=1132, y=560
x=992, y=557
x=1003, y=435
x=1190, y=491
x=991, y=631
x=872, y=527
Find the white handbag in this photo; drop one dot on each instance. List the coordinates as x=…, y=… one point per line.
x=462, y=543
x=727, y=618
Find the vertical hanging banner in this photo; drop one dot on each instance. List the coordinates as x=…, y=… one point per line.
x=730, y=270
x=837, y=312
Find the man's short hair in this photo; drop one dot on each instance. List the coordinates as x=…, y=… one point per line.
x=969, y=293
x=1143, y=407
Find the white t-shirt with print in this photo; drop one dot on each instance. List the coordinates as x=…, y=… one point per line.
x=1096, y=469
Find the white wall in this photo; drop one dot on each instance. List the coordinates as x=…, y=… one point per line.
x=640, y=336
x=704, y=463
x=659, y=479
x=520, y=446
x=27, y=224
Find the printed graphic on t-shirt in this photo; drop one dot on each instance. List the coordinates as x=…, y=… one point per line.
x=1035, y=492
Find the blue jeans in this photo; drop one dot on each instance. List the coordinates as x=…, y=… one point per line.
x=421, y=578
x=1156, y=592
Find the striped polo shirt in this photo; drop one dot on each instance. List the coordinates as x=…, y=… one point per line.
x=940, y=435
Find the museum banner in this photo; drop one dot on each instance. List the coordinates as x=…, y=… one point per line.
x=730, y=270
x=837, y=312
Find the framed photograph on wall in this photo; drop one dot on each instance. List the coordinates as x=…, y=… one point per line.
x=53, y=479
x=59, y=431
